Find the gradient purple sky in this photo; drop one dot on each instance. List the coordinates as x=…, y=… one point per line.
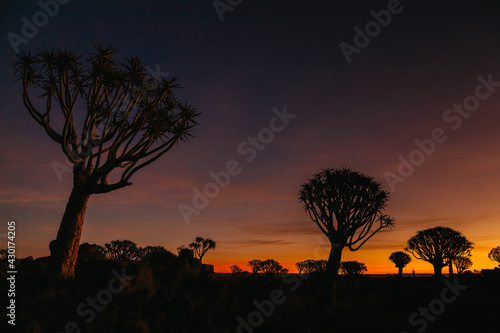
x=267, y=55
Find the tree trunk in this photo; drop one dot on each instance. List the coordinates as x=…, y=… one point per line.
x=437, y=270
x=64, y=249
x=333, y=266
x=450, y=268
x=400, y=271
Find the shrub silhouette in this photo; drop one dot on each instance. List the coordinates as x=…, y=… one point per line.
x=352, y=268
x=123, y=250
x=157, y=257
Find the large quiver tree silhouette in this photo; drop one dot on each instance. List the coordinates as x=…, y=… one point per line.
x=126, y=120
x=439, y=246
x=348, y=208
x=400, y=259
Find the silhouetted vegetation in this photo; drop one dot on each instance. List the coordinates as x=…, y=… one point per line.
x=157, y=257
x=439, y=246
x=255, y=265
x=200, y=247
x=271, y=266
x=235, y=269
x=494, y=255
x=345, y=205
x=309, y=266
x=352, y=268
x=129, y=121
x=462, y=263
x=123, y=250
x=400, y=259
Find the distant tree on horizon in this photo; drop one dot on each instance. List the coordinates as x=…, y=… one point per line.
x=347, y=206
x=271, y=266
x=200, y=247
x=494, y=255
x=122, y=250
x=352, y=268
x=400, y=259
x=235, y=269
x=255, y=265
x=309, y=266
x=439, y=246
x=300, y=267
x=109, y=118
x=462, y=263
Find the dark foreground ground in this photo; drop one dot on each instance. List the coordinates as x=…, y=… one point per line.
x=185, y=298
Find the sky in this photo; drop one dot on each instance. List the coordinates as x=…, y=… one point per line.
x=285, y=89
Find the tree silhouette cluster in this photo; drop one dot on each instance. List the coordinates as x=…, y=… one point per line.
x=157, y=257
x=269, y=266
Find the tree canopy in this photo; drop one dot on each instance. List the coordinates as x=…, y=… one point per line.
x=462, y=263
x=348, y=207
x=123, y=250
x=439, y=246
x=400, y=259
x=200, y=247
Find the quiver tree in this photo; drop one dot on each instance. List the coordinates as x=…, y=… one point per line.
x=348, y=208
x=110, y=119
x=462, y=263
x=400, y=259
x=494, y=255
x=200, y=247
x=439, y=246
